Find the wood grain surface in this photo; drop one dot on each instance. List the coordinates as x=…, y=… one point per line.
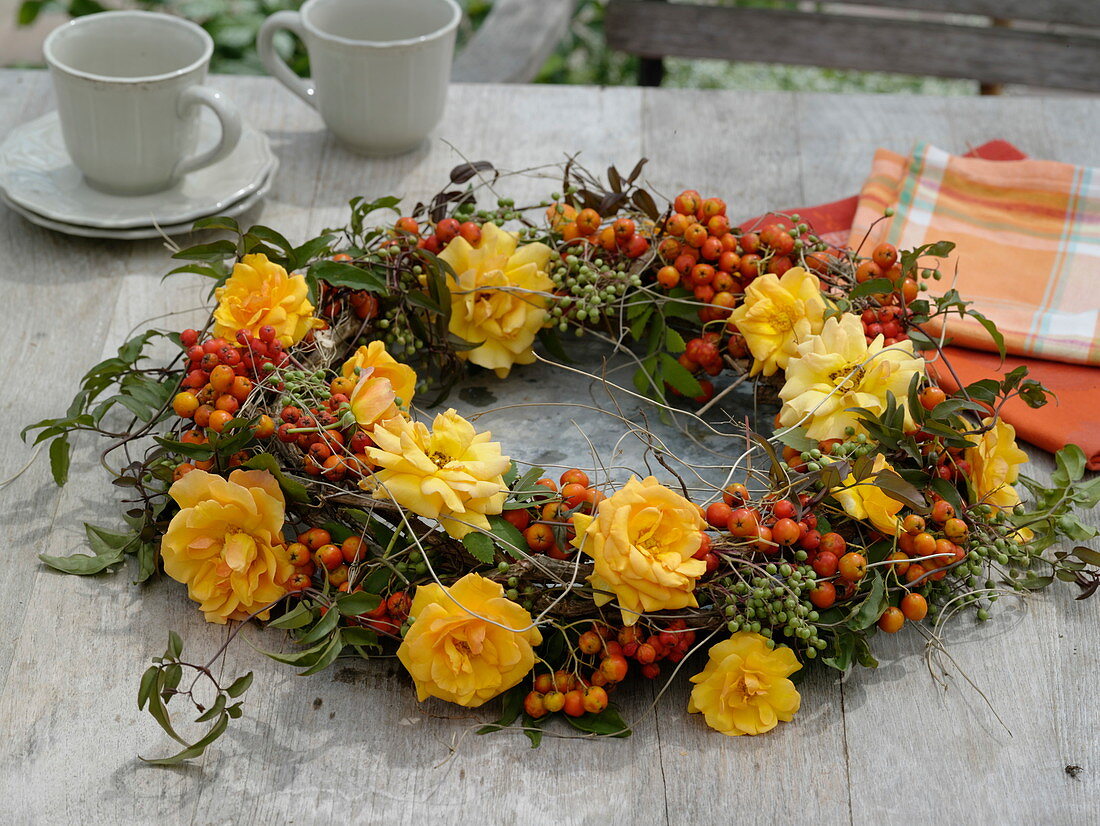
x=1064, y=59
x=352, y=745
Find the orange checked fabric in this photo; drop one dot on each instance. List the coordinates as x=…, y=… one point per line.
x=1027, y=235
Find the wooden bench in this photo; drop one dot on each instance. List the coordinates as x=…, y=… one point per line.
x=514, y=41
x=1049, y=43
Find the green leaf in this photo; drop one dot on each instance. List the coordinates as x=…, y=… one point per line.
x=217, y=222
x=357, y=603
x=872, y=287
x=509, y=535
x=175, y=646
x=214, y=251
x=678, y=376
x=28, y=11
x=148, y=683
x=608, y=723
x=195, y=750
x=298, y=617
x=240, y=685
x=294, y=490
x=342, y=274
x=899, y=490
x=990, y=328
x=480, y=546
x=359, y=636
x=868, y=612
x=674, y=342
x=325, y=626
x=328, y=656
x=60, y=453
x=1069, y=465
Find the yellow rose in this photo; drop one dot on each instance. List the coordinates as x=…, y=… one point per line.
x=401, y=377
x=226, y=543
x=451, y=473
x=642, y=540
x=838, y=370
x=868, y=501
x=777, y=315
x=258, y=293
x=455, y=652
x=500, y=297
x=744, y=688
x=995, y=465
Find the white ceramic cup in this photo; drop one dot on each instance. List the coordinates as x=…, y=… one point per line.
x=379, y=68
x=129, y=88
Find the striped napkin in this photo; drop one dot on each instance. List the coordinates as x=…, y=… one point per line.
x=1074, y=418
x=1027, y=236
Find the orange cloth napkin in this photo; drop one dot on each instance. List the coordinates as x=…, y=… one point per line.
x=1075, y=416
x=1027, y=243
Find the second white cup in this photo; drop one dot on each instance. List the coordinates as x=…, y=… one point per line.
x=379, y=68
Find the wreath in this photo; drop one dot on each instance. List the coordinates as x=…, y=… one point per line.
x=282, y=467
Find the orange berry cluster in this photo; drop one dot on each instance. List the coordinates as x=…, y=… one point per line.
x=218, y=377
x=586, y=226
x=316, y=554
x=887, y=320
x=562, y=691
x=446, y=230
x=331, y=449
x=549, y=529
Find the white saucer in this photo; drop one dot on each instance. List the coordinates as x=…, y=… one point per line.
x=37, y=174
x=138, y=233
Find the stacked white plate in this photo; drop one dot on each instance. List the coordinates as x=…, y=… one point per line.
x=39, y=181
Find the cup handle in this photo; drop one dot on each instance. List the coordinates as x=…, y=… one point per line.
x=228, y=117
x=290, y=21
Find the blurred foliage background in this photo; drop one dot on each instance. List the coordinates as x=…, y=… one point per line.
x=582, y=57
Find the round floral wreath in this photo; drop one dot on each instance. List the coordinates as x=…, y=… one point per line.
x=277, y=468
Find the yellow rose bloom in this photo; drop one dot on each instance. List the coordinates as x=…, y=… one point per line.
x=744, y=688
x=838, y=370
x=226, y=543
x=778, y=314
x=258, y=293
x=454, y=651
x=401, y=377
x=869, y=502
x=642, y=540
x=450, y=473
x=995, y=465
x=499, y=298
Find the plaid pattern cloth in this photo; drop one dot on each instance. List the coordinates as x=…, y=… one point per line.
x=1027, y=235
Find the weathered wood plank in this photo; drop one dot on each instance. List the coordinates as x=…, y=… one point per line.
x=703, y=140
x=904, y=735
x=1069, y=12
x=991, y=55
x=514, y=41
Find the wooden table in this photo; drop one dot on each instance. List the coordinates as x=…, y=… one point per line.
x=351, y=745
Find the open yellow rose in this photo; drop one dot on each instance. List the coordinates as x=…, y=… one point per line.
x=868, y=501
x=258, y=293
x=455, y=652
x=642, y=540
x=778, y=314
x=838, y=370
x=450, y=473
x=995, y=465
x=401, y=377
x=226, y=543
x=744, y=688
x=499, y=298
